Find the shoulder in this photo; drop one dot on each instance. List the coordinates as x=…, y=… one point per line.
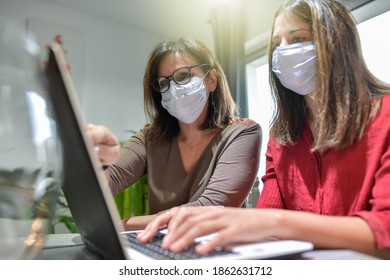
x=242, y=126
x=386, y=104
x=140, y=135
x=383, y=114
x=242, y=121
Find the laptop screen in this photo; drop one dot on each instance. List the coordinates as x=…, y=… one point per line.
x=92, y=206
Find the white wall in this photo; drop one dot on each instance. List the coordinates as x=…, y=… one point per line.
x=107, y=59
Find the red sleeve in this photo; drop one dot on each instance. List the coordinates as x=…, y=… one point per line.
x=270, y=196
x=378, y=217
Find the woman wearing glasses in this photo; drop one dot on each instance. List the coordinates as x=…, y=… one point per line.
x=195, y=151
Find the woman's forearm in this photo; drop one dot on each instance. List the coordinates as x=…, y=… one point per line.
x=330, y=232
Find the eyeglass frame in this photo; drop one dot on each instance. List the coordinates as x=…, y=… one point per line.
x=170, y=77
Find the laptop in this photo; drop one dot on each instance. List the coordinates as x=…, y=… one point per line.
x=90, y=200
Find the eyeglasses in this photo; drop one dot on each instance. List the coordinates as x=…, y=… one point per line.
x=180, y=76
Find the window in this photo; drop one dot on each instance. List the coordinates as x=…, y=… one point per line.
x=260, y=106
x=375, y=44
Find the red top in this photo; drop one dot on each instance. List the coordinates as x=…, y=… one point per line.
x=353, y=181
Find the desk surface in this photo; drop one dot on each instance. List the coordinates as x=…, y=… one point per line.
x=71, y=247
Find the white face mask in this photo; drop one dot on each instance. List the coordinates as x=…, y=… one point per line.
x=294, y=65
x=185, y=102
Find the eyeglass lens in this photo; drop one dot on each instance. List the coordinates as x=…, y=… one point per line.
x=180, y=76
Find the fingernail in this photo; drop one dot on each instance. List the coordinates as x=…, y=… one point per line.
x=175, y=247
x=141, y=233
x=166, y=241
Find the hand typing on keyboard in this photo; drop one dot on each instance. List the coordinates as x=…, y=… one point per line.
x=154, y=250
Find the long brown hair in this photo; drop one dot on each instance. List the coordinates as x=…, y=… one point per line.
x=221, y=104
x=345, y=88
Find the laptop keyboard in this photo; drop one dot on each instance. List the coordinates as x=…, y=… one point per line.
x=154, y=250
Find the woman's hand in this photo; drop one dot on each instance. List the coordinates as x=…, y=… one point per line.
x=105, y=143
x=137, y=222
x=233, y=226
x=230, y=225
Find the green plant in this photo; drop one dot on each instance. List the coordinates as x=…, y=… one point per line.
x=63, y=216
x=133, y=200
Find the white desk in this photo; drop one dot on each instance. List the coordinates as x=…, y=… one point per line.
x=71, y=247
